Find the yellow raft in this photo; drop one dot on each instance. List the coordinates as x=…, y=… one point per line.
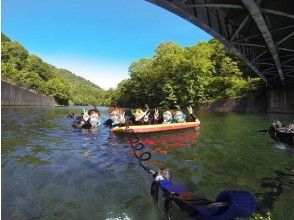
x=158, y=127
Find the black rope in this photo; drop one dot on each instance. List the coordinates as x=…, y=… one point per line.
x=138, y=148
x=264, y=130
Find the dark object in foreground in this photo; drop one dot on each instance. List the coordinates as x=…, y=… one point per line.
x=227, y=205
x=282, y=133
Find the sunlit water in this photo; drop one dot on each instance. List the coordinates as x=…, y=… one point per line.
x=52, y=171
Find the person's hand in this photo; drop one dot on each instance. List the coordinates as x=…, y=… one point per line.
x=146, y=117
x=122, y=119
x=156, y=114
x=190, y=110
x=147, y=109
x=85, y=115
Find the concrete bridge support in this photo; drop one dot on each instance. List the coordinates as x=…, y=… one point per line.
x=280, y=101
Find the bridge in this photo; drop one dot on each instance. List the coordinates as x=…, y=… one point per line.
x=260, y=32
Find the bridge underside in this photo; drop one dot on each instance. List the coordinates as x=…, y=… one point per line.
x=260, y=32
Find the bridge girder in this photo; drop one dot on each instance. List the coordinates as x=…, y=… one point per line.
x=260, y=32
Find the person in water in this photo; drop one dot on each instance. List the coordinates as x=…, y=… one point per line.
x=88, y=119
x=116, y=117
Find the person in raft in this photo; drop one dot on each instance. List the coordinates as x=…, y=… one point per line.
x=140, y=117
x=116, y=117
x=166, y=118
x=180, y=117
x=88, y=119
x=171, y=116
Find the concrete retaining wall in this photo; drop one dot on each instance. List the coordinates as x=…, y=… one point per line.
x=272, y=101
x=14, y=95
x=280, y=101
x=253, y=103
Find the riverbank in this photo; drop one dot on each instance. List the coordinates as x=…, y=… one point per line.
x=253, y=103
x=12, y=95
x=270, y=101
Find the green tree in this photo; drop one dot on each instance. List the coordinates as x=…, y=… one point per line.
x=57, y=89
x=29, y=71
x=203, y=72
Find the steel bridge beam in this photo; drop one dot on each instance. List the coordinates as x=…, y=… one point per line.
x=214, y=6
x=277, y=13
x=285, y=38
x=240, y=28
x=255, y=12
x=180, y=11
x=272, y=31
x=218, y=19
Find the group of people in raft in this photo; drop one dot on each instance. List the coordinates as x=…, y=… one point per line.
x=91, y=118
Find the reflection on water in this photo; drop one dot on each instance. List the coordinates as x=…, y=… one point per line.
x=180, y=138
x=284, y=147
x=163, y=142
x=52, y=171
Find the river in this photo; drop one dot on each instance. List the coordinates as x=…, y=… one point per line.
x=53, y=171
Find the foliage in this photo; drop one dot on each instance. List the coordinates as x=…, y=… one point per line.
x=257, y=216
x=29, y=71
x=57, y=89
x=176, y=76
x=173, y=76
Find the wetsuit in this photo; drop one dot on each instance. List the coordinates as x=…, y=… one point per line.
x=111, y=124
x=191, y=118
x=132, y=121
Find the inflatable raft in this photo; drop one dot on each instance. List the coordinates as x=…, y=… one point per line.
x=158, y=127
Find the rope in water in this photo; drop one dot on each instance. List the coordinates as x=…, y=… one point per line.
x=137, y=147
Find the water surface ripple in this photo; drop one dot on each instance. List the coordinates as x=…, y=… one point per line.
x=52, y=171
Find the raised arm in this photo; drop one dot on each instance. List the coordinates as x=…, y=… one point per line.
x=156, y=114
x=122, y=119
x=190, y=110
x=85, y=115
x=146, y=117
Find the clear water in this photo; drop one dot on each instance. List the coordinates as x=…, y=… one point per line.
x=52, y=171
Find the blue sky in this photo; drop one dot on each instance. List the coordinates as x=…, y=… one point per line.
x=96, y=39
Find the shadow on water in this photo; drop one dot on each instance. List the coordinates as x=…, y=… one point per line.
x=274, y=187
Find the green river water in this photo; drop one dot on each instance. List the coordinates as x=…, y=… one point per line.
x=53, y=171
